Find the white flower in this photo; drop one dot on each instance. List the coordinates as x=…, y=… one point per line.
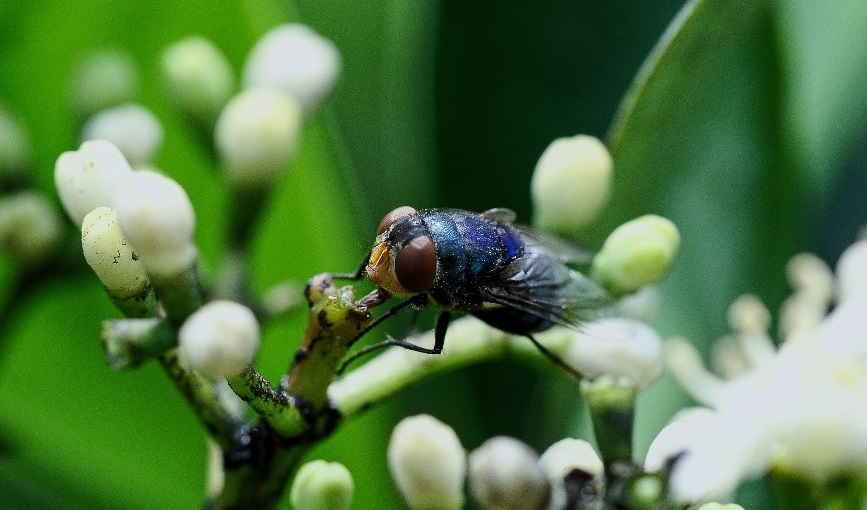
x=157, y=217
x=562, y=460
x=617, y=347
x=571, y=184
x=220, y=339
x=297, y=61
x=680, y=435
x=852, y=271
x=87, y=178
x=801, y=409
x=132, y=128
x=504, y=475
x=256, y=136
x=427, y=463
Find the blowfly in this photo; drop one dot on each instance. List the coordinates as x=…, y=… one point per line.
x=514, y=278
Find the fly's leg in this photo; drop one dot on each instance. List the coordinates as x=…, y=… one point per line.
x=554, y=357
x=357, y=275
x=439, y=338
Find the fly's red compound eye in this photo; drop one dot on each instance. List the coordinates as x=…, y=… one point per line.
x=416, y=265
x=393, y=216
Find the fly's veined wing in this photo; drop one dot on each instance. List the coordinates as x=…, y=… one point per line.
x=539, y=284
x=558, y=249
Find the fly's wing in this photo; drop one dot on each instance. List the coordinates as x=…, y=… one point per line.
x=557, y=248
x=539, y=284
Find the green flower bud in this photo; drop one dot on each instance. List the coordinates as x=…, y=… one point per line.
x=132, y=128
x=256, y=136
x=30, y=230
x=103, y=80
x=14, y=151
x=427, y=464
x=297, y=61
x=504, y=475
x=198, y=79
x=321, y=485
x=220, y=339
x=571, y=184
x=638, y=253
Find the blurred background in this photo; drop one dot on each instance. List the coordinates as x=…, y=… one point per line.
x=752, y=141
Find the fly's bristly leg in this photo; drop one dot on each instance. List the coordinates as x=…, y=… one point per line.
x=554, y=357
x=357, y=275
x=440, y=332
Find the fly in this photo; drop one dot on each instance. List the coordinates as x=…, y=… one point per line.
x=512, y=277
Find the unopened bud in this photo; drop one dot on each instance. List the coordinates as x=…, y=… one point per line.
x=198, y=79
x=103, y=80
x=504, y=475
x=256, y=136
x=30, y=230
x=620, y=348
x=220, y=339
x=638, y=253
x=113, y=260
x=680, y=435
x=157, y=217
x=87, y=178
x=14, y=151
x=571, y=184
x=576, y=474
x=427, y=464
x=720, y=506
x=321, y=485
x=297, y=61
x=132, y=128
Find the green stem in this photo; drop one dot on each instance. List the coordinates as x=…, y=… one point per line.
x=278, y=409
x=469, y=341
x=200, y=395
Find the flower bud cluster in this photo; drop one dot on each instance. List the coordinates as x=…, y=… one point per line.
x=428, y=465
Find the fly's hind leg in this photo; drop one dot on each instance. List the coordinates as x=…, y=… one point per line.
x=554, y=357
x=439, y=340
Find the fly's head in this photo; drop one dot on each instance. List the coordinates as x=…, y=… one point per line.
x=403, y=261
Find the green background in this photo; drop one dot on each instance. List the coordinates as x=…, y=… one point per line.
x=746, y=128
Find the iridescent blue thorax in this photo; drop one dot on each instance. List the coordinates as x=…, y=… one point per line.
x=470, y=250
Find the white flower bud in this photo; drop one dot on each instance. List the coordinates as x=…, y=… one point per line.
x=256, y=135
x=157, y=217
x=571, y=184
x=321, y=485
x=220, y=339
x=198, y=78
x=297, y=61
x=720, y=506
x=110, y=255
x=14, y=149
x=572, y=464
x=87, y=178
x=620, y=348
x=677, y=437
x=638, y=253
x=103, y=80
x=504, y=475
x=852, y=272
x=427, y=463
x=30, y=230
x=132, y=128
